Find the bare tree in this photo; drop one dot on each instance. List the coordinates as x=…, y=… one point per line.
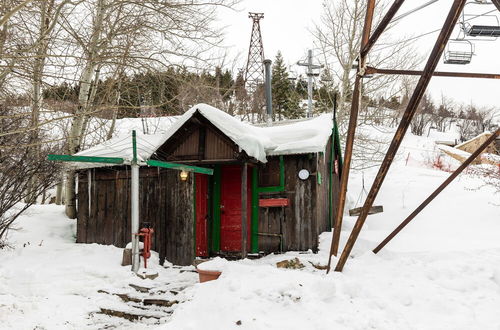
x=161, y=32
x=338, y=36
x=18, y=164
x=423, y=116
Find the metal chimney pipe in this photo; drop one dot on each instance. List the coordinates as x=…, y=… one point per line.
x=268, y=88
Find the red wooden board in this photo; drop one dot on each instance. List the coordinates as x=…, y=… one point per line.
x=230, y=231
x=273, y=202
x=201, y=215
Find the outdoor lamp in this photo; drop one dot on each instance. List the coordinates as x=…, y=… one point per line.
x=184, y=175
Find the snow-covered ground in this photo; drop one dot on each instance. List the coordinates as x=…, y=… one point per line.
x=49, y=282
x=441, y=272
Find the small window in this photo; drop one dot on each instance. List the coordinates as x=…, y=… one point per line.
x=269, y=173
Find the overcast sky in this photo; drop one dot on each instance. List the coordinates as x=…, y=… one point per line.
x=287, y=25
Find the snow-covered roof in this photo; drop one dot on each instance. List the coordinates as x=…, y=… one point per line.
x=121, y=146
x=248, y=137
x=297, y=137
x=486, y=134
x=306, y=136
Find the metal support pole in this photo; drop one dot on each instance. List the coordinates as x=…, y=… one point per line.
x=310, y=74
x=430, y=67
x=429, y=199
x=134, y=189
x=351, y=131
x=244, y=213
x=309, y=82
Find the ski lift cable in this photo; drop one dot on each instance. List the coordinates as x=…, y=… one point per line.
x=414, y=10
x=434, y=31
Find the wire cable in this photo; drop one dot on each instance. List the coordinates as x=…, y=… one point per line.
x=431, y=32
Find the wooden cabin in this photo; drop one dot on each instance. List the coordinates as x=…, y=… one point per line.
x=202, y=215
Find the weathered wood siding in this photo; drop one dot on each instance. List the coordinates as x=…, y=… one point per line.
x=198, y=140
x=297, y=225
x=165, y=202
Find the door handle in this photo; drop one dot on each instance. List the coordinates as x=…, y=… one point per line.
x=222, y=208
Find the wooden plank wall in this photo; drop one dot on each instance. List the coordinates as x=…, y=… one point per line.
x=300, y=223
x=165, y=202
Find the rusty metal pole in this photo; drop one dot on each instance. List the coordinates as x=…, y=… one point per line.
x=429, y=199
x=350, y=135
x=430, y=67
x=372, y=70
x=496, y=3
x=381, y=27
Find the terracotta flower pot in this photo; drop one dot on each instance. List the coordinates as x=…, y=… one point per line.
x=208, y=275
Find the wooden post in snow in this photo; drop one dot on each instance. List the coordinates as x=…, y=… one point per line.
x=244, y=213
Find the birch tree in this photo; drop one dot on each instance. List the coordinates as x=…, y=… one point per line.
x=158, y=33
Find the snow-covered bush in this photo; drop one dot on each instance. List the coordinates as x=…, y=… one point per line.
x=24, y=172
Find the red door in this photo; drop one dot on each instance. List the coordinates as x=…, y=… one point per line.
x=201, y=215
x=230, y=227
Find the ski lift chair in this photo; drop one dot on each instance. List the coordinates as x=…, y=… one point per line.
x=489, y=31
x=458, y=52
x=489, y=27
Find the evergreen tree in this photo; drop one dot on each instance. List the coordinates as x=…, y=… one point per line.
x=325, y=95
x=285, y=98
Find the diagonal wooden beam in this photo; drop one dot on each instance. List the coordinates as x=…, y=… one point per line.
x=382, y=26
x=371, y=70
x=353, y=119
x=429, y=199
x=496, y=3
x=422, y=84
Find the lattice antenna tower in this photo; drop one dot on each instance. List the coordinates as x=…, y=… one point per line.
x=254, y=73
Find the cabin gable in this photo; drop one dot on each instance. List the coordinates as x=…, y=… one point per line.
x=198, y=140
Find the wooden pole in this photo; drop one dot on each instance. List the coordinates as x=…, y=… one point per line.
x=496, y=3
x=371, y=70
x=429, y=199
x=351, y=131
x=422, y=84
x=244, y=213
x=381, y=27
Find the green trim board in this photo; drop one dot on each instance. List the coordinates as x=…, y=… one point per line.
x=255, y=201
x=281, y=187
x=85, y=159
x=215, y=244
x=180, y=167
x=330, y=181
x=335, y=152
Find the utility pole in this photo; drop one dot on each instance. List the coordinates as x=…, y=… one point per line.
x=310, y=74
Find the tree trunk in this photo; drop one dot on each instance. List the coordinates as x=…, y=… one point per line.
x=85, y=92
x=46, y=8
x=59, y=190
